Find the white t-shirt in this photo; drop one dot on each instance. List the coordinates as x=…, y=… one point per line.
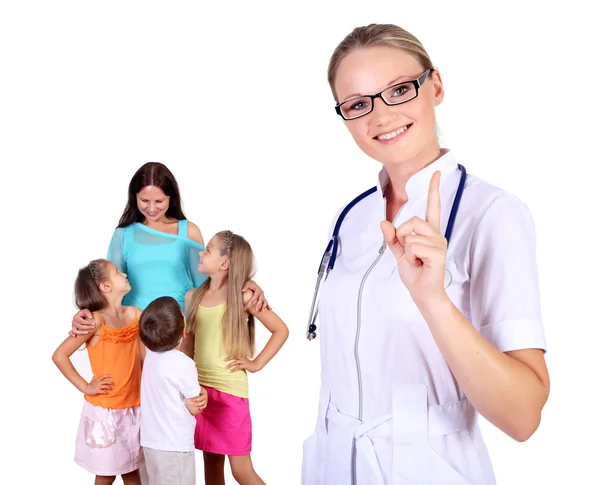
x=168, y=379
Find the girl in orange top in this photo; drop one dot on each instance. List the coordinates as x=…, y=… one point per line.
x=108, y=439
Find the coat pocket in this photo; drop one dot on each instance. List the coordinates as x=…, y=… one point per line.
x=414, y=461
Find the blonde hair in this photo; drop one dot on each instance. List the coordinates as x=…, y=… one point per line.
x=376, y=35
x=238, y=326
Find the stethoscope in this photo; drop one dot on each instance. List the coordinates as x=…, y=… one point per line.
x=330, y=254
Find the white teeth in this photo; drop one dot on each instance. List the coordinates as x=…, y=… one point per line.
x=394, y=134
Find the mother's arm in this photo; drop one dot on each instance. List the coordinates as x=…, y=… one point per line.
x=82, y=323
x=257, y=299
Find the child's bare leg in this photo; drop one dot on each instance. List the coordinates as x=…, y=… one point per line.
x=104, y=480
x=243, y=471
x=214, y=469
x=132, y=478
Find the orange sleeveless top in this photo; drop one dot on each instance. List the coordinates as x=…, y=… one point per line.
x=116, y=353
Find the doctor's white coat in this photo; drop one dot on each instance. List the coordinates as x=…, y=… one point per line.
x=379, y=361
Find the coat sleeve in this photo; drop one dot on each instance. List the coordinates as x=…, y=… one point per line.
x=505, y=295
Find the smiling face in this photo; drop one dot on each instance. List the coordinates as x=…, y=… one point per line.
x=392, y=135
x=153, y=203
x=211, y=259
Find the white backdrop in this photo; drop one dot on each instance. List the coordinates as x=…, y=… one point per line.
x=234, y=99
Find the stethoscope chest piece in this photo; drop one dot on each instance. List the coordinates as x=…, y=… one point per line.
x=447, y=278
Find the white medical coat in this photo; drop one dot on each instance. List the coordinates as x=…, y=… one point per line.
x=417, y=426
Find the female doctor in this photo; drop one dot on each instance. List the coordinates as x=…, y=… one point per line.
x=419, y=335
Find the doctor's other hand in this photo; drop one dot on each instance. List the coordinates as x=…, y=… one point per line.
x=83, y=323
x=420, y=249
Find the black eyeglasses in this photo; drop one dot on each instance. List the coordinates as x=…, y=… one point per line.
x=392, y=96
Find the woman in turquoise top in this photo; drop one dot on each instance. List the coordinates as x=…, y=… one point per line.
x=157, y=263
x=155, y=245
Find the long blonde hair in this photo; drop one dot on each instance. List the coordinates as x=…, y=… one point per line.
x=375, y=35
x=238, y=326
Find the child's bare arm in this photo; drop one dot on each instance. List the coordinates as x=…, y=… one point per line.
x=61, y=357
x=196, y=397
x=279, y=334
x=197, y=404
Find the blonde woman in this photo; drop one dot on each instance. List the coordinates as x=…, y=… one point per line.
x=220, y=339
x=420, y=333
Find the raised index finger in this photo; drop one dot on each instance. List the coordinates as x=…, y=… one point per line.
x=432, y=214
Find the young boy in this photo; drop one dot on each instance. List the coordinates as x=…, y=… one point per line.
x=170, y=396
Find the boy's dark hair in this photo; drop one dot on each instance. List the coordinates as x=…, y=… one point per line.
x=161, y=324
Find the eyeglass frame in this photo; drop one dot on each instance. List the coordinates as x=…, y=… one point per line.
x=417, y=83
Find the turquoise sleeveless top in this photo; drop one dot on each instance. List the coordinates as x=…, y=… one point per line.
x=157, y=264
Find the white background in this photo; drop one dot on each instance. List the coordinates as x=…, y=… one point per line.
x=234, y=99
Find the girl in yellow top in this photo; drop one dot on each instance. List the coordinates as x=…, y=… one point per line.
x=220, y=339
x=108, y=439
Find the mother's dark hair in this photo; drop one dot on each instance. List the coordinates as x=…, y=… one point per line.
x=158, y=175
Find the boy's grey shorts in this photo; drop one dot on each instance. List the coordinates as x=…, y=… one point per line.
x=170, y=467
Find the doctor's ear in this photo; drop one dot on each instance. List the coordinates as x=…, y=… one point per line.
x=438, y=87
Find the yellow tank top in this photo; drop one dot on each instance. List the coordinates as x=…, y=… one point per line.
x=209, y=354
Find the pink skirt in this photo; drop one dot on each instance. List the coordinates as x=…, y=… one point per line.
x=108, y=440
x=224, y=427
